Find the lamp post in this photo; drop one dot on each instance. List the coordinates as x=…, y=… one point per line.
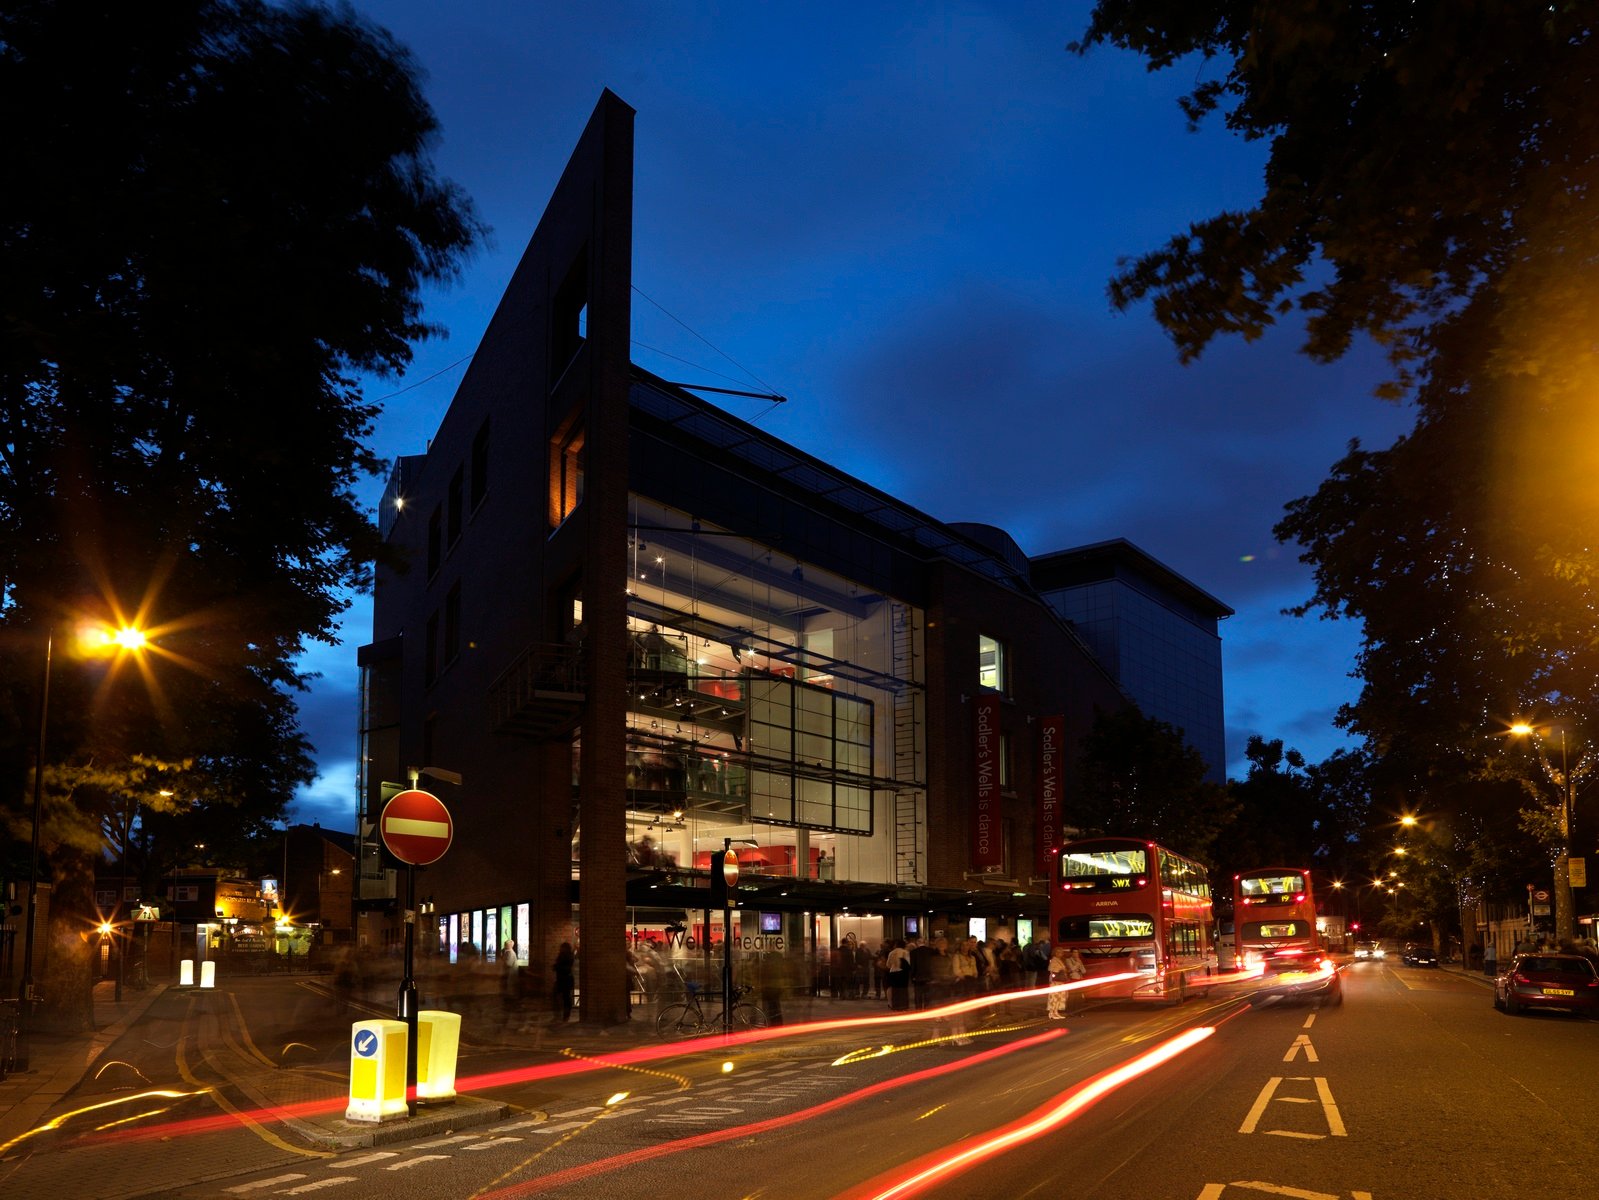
x=126, y=638
x=25, y=1013
x=1565, y=923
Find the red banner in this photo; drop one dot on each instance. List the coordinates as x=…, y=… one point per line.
x=1047, y=811
x=988, y=851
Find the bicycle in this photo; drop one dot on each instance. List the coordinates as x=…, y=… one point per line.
x=687, y=1019
x=10, y=1020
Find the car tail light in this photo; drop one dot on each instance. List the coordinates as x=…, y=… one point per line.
x=1520, y=978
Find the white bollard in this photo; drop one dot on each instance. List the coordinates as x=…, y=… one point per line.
x=208, y=974
x=186, y=973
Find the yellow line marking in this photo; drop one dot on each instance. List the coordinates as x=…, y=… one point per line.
x=1301, y=1043
x=250, y=1123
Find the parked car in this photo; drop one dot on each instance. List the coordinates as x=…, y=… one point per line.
x=1419, y=954
x=1369, y=950
x=1564, y=981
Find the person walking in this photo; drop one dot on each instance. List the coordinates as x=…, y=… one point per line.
x=899, y=977
x=1065, y=966
x=565, y=983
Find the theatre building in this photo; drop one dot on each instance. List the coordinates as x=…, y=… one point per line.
x=639, y=632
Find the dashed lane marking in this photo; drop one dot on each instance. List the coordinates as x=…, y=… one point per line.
x=344, y=1164
x=406, y=1163
x=318, y=1185
x=275, y=1181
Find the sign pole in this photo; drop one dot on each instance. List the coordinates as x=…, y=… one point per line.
x=417, y=829
x=408, y=991
x=727, y=941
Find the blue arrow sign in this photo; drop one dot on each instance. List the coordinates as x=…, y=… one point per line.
x=366, y=1043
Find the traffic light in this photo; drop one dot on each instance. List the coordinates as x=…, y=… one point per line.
x=1354, y=925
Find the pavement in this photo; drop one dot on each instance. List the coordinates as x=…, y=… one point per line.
x=311, y=1098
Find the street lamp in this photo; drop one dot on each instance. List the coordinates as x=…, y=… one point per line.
x=1565, y=925
x=125, y=639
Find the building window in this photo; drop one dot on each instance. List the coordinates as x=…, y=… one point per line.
x=435, y=540
x=430, y=650
x=569, y=317
x=1005, y=781
x=480, y=464
x=992, y=668
x=452, y=517
x=566, y=476
x=452, y=625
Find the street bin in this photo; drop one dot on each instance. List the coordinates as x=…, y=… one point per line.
x=438, y=1044
x=208, y=974
x=186, y=973
x=377, y=1071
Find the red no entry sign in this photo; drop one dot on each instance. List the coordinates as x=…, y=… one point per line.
x=416, y=827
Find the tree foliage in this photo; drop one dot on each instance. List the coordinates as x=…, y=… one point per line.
x=1141, y=779
x=217, y=213
x=1430, y=184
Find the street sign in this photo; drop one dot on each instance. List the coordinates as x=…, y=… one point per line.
x=416, y=827
x=730, y=868
x=1577, y=871
x=1541, y=896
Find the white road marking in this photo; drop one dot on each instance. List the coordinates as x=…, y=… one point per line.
x=318, y=1185
x=242, y=1188
x=449, y=1141
x=345, y=1164
x=420, y=1158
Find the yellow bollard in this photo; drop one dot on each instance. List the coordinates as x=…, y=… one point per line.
x=438, y=1042
x=377, y=1071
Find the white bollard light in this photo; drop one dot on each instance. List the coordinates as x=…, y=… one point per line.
x=186, y=973
x=208, y=974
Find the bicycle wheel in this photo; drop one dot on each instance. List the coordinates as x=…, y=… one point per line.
x=747, y=1016
x=678, y=1020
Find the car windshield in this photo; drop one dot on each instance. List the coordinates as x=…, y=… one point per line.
x=1558, y=966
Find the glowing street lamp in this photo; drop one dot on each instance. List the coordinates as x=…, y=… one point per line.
x=126, y=639
x=1565, y=925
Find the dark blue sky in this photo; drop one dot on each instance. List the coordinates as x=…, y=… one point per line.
x=903, y=218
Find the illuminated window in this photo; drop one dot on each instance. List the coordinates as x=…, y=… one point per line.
x=991, y=665
x=566, y=476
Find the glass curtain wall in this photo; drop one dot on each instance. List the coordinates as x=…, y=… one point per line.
x=761, y=706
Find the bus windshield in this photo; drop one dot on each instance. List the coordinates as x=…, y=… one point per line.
x=1087, y=861
x=1116, y=927
x=1257, y=887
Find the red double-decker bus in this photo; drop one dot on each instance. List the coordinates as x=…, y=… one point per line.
x=1274, y=915
x=1274, y=919
x=1128, y=905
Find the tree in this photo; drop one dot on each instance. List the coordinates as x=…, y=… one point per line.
x=217, y=213
x=1141, y=779
x=1429, y=185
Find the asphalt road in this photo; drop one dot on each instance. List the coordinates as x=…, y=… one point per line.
x=1413, y=1088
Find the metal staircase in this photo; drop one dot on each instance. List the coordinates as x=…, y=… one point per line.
x=910, y=802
